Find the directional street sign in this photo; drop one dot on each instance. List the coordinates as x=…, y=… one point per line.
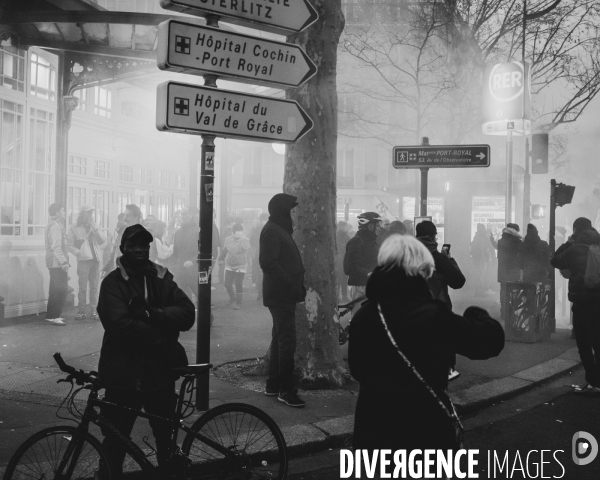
x=442, y=156
x=189, y=48
x=199, y=110
x=284, y=17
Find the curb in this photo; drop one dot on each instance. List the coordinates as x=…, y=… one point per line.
x=337, y=432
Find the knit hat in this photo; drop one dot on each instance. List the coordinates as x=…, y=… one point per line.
x=426, y=229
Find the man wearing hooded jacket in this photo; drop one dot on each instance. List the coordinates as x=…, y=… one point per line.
x=283, y=287
x=142, y=311
x=573, y=255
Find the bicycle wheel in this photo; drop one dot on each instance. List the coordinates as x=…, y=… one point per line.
x=254, y=439
x=53, y=449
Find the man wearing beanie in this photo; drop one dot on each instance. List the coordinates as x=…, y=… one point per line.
x=508, y=248
x=142, y=311
x=446, y=274
x=573, y=255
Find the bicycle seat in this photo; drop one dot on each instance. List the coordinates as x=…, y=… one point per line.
x=193, y=369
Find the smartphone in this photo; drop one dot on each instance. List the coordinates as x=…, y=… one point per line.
x=446, y=248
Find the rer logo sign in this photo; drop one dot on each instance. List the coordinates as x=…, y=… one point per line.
x=506, y=81
x=506, y=92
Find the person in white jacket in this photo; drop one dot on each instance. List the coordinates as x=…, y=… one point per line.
x=235, y=253
x=84, y=242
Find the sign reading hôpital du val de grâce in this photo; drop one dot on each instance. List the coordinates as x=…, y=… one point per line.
x=196, y=49
x=201, y=110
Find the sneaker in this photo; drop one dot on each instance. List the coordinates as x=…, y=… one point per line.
x=80, y=315
x=587, y=390
x=56, y=321
x=237, y=306
x=291, y=399
x=453, y=375
x=94, y=315
x=270, y=392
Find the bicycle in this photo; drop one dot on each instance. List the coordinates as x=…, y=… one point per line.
x=345, y=312
x=229, y=441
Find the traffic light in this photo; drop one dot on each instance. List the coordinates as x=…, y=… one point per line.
x=539, y=153
x=538, y=211
x=563, y=194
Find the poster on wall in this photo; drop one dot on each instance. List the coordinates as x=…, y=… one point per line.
x=490, y=212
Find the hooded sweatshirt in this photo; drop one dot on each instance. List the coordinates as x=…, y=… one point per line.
x=573, y=255
x=279, y=257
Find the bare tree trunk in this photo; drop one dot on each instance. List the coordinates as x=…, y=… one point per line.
x=310, y=174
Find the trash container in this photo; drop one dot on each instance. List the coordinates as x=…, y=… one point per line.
x=528, y=315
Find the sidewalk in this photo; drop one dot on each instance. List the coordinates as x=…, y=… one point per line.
x=29, y=394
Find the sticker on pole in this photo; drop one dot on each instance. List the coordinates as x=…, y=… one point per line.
x=209, y=189
x=209, y=161
x=202, y=278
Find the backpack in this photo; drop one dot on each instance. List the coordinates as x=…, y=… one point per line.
x=591, y=279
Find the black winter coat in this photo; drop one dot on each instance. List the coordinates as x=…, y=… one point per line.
x=573, y=255
x=508, y=247
x=280, y=261
x=534, y=259
x=447, y=273
x=138, y=353
x=361, y=257
x=394, y=409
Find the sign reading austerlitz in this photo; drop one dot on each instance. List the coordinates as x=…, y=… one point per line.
x=190, y=48
x=277, y=16
x=202, y=110
x=446, y=156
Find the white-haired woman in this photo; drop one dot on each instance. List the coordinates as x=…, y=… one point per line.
x=401, y=345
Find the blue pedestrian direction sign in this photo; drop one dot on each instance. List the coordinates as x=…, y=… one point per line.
x=441, y=156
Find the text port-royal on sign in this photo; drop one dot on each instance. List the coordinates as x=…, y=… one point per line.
x=199, y=110
x=441, y=156
x=198, y=50
x=283, y=17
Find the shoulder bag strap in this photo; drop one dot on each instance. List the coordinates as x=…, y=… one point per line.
x=452, y=415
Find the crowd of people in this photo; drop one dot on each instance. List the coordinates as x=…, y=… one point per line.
x=174, y=245
x=405, y=321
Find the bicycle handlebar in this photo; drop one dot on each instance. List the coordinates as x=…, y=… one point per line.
x=79, y=376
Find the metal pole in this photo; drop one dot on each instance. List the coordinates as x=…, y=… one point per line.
x=424, y=172
x=526, y=187
x=552, y=276
x=526, y=178
x=206, y=193
x=207, y=184
x=509, y=189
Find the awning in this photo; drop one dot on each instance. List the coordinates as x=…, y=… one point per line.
x=119, y=34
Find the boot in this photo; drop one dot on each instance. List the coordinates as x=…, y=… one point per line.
x=238, y=301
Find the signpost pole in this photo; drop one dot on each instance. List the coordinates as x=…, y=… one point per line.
x=509, y=189
x=526, y=188
x=552, y=276
x=424, y=172
x=206, y=191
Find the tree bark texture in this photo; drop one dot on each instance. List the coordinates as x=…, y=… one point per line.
x=310, y=174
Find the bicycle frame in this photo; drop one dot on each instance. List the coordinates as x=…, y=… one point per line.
x=90, y=415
